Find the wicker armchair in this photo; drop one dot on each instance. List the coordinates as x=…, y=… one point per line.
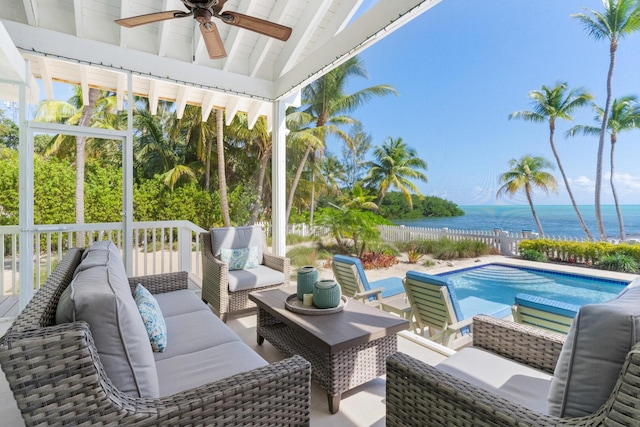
x=215, y=279
x=420, y=394
x=57, y=378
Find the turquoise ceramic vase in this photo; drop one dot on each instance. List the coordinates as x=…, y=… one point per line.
x=307, y=276
x=326, y=294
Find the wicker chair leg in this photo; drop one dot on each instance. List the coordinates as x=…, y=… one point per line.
x=223, y=317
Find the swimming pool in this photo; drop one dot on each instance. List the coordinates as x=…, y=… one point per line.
x=501, y=283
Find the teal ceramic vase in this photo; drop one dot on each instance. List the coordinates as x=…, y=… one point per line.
x=326, y=294
x=307, y=276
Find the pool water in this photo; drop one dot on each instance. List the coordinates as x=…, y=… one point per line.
x=501, y=283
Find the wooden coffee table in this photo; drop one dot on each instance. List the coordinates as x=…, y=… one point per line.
x=345, y=349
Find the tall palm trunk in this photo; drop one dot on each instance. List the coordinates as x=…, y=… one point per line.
x=85, y=120
x=207, y=178
x=552, y=127
x=222, y=175
x=623, y=235
x=264, y=162
x=527, y=191
x=603, y=131
x=296, y=180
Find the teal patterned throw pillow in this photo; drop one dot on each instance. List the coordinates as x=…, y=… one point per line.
x=152, y=318
x=240, y=259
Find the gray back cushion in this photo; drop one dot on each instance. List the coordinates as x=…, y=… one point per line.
x=593, y=354
x=101, y=296
x=236, y=238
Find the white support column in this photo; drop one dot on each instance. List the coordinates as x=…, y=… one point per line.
x=127, y=182
x=25, y=198
x=279, y=178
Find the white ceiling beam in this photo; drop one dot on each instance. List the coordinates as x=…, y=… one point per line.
x=13, y=67
x=260, y=51
x=341, y=18
x=153, y=97
x=77, y=14
x=234, y=36
x=45, y=76
x=253, y=114
x=207, y=105
x=231, y=109
x=181, y=100
x=304, y=29
x=46, y=42
x=31, y=10
x=163, y=33
x=121, y=88
x=124, y=5
x=84, y=84
x=377, y=23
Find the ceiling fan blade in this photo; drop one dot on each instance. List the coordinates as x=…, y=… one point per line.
x=134, y=21
x=212, y=40
x=258, y=25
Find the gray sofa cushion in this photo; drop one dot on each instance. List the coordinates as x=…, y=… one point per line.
x=99, y=253
x=591, y=359
x=101, y=296
x=515, y=382
x=192, y=332
x=179, y=302
x=240, y=280
x=201, y=367
x=236, y=238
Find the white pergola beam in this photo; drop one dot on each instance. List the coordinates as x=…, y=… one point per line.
x=231, y=109
x=207, y=105
x=181, y=100
x=153, y=97
x=121, y=84
x=84, y=84
x=45, y=76
x=253, y=114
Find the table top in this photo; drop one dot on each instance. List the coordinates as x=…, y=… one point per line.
x=357, y=324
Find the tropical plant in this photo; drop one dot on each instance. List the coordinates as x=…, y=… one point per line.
x=413, y=256
x=550, y=104
x=395, y=165
x=526, y=174
x=625, y=115
x=533, y=255
x=619, y=262
x=326, y=106
x=354, y=155
x=619, y=19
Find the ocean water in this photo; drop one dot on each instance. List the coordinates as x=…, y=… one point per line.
x=557, y=221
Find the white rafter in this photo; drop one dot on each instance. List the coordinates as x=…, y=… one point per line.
x=207, y=105
x=181, y=100
x=235, y=36
x=153, y=97
x=121, y=88
x=253, y=114
x=231, y=109
x=163, y=32
x=77, y=14
x=31, y=10
x=300, y=36
x=84, y=84
x=259, y=53
x=124, y=5
x=45, y=76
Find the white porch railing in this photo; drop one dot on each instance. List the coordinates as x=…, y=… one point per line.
x=159, y=247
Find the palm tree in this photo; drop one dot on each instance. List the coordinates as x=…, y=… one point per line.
x=619, y=19
x=326, y=105
x=527, y=174
x=550, y=104
x=625, y=115
x=73, y=112
x=395, y=165
x=222, y=174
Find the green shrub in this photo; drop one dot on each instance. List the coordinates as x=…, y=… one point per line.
x=533, y=255
x=429, y=263
x=619, y=262
x=306, y=255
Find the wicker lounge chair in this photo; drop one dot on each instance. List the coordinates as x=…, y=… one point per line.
x=519, y=375
x=273, y=271
x=57, y=378
x=349, y=273
x=438, y=312
x=554, y=316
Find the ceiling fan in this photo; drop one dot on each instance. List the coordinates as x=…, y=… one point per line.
x=202, y=11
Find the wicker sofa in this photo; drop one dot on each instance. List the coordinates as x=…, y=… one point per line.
x=57, y=377
x=421, y=394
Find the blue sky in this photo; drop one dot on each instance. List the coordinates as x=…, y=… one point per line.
x=463, y=66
